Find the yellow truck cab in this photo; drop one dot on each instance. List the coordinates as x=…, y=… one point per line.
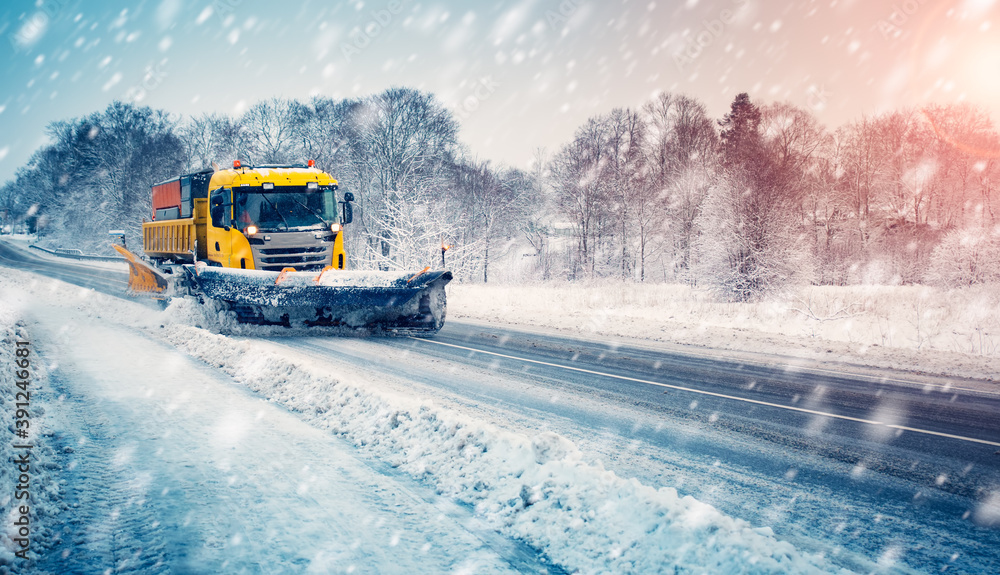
x=267, y=217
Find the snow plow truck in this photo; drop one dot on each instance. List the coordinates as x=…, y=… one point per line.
x=267, y=242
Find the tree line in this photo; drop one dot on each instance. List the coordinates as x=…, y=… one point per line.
x=766, y=197
x=747, y=204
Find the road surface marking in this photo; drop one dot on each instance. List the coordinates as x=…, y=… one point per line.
x=945, y=388
x=714, y=394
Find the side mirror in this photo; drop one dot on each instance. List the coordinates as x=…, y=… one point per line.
x=217, y=200
x=348, y=215
x=348, y=197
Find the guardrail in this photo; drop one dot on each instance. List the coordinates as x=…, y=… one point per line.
x=64, y=253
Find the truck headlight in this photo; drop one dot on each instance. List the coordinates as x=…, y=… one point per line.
x=251, y=230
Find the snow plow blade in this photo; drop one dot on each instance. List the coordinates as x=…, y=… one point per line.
x=143, y=279
x=411, y=303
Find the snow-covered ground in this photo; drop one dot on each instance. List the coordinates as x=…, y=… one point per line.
x=193, y=455
x=911, y=328
x=42, y=486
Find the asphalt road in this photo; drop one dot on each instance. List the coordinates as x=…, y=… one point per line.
x=908, y=458
x=102, y=280
x=834, y=459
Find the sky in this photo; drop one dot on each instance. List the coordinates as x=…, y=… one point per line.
x=518, y=74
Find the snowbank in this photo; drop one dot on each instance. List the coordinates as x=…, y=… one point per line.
x=911, y=328
x=538, y=489
x=42, y=486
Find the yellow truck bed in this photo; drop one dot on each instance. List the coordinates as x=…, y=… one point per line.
x=169, y=239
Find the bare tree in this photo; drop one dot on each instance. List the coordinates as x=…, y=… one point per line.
x=864, y=171
x=270, y=133
x=963, y=145
x=795, y=139
x=624, y=176
x=322, y=134
x=581, y=192
x=402, y=142
x=211, y=139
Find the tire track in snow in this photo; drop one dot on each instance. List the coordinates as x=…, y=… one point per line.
x=110, y=529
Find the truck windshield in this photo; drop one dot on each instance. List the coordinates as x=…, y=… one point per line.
x=284, y=207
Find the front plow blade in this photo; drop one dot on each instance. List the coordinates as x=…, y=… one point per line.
x=366, y=301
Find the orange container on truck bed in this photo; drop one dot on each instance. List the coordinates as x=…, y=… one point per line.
x=166, y=199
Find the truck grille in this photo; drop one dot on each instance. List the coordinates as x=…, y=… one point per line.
x=303, y=259
x=304, y=251
x=285, y=251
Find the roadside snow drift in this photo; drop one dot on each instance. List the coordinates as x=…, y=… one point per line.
x=40, y=493
x=539, y=489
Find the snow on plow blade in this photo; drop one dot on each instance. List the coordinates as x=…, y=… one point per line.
x=372, y=301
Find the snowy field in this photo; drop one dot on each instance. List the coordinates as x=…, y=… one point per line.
x=539, y=489
x=911, y=328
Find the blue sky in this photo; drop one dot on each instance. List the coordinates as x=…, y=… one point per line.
x=519, y=74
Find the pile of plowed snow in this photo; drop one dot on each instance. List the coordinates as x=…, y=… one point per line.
x=40, y=493
x=538, y=489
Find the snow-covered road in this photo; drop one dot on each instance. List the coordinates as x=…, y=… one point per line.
x=173, y=468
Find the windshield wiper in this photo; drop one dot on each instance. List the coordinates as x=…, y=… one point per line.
x=311, y=211
x=275, y=208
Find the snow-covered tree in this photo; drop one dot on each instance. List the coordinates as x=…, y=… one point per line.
x=966, y=256
x=751, y=242
x=401, y=145
x=681, y=155
x=581, y=192
x=97, y=172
